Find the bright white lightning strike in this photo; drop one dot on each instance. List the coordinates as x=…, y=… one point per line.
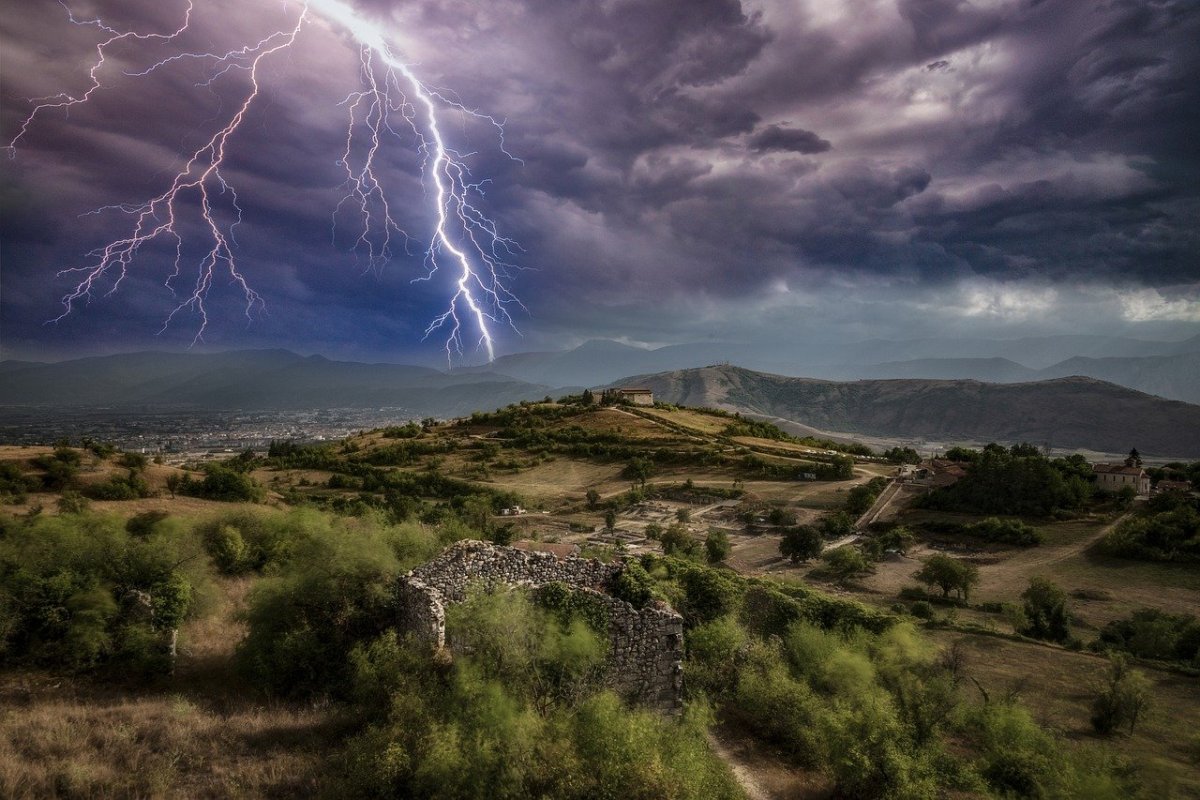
x=462, y=233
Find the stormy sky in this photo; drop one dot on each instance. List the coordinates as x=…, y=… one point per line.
x=768, y=171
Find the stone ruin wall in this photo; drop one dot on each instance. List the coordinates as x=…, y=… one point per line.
x=645, y=654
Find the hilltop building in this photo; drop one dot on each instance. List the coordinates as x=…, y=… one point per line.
x=639, y=397
x=1115, y=477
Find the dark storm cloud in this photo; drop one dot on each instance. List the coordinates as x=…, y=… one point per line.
x=988, y=156
x=795, y=140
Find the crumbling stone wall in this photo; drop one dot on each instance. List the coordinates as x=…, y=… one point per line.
x=645, y=657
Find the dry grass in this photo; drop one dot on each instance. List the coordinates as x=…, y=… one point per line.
x=1058, y=686
x=705, y=424
x=616, y=421
x=201, y=733
x=562, y=476
x=1068, y=557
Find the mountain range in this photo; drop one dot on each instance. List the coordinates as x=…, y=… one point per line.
x=1073, y=412
x=1167, y=369
x=1056, y=404
x=254, y=380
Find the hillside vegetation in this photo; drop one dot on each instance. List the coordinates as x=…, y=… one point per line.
x=240, y=639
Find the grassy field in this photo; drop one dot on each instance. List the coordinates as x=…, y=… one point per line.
x=1059, y=686
x=200, y=733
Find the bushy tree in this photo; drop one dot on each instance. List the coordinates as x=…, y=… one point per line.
x=860, y=498
x=633, y=585
x=335, y=592
x=846, y=562
x=716, y=546
x=79, y=592
x=639, y=469
x=801, y=543
x=949, y=574
x=836, y=525
x=1123, y=700
x=676, y=540
x=898, y=539
x=1150, y=633
x=1045, y=608
x=220, y=483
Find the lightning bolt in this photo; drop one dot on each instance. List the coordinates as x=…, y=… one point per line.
x=464, y=238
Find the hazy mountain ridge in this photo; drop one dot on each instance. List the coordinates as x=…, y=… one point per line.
x=1065, y=412
x=1175, y=377
x=254, y=379
x=1168, y=369
x=1071, y=412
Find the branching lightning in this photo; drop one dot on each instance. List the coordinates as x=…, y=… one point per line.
x=464, y=238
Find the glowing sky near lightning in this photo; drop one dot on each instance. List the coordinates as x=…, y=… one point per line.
x=753, y=170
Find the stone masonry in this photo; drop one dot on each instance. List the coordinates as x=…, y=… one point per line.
x=645, y=656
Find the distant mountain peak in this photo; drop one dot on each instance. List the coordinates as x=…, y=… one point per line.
x=606, y=346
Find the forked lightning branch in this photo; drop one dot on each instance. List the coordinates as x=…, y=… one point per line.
x=464, y=240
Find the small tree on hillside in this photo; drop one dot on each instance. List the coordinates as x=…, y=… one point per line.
x=801, y=543
x=676, y=541
x=846, y=562
x=593, y=498
x=639, y=469
x=949, y=574
x=717, y=546
x=1045, y=607
x=1123, y=700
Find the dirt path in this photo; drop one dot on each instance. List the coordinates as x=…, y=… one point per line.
x=879, y=506
x=1035, y=558
x=742, y=772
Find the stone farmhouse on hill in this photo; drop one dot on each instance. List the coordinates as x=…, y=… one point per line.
x=632, y=395
x=1115, y=477
x=639, y=397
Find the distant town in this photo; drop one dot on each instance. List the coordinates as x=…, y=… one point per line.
x=180, y=434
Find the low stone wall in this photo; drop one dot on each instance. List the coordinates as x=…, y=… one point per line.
x=471, y=562
x=645, y=658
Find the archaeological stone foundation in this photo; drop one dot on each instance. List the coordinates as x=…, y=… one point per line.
x=645, y=655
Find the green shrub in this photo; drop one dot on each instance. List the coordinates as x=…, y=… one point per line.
x=221, y=483
x=1006, y=531
x=1045, y=611
x=72, y=591
x=335, y=591
x=516, y=716
x=633, y=585
x=1170, y=535
x=780, y=708
x=716, y=546
x=801, y=543
x=714, y=651
x=708, y=594
x=921, y=610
